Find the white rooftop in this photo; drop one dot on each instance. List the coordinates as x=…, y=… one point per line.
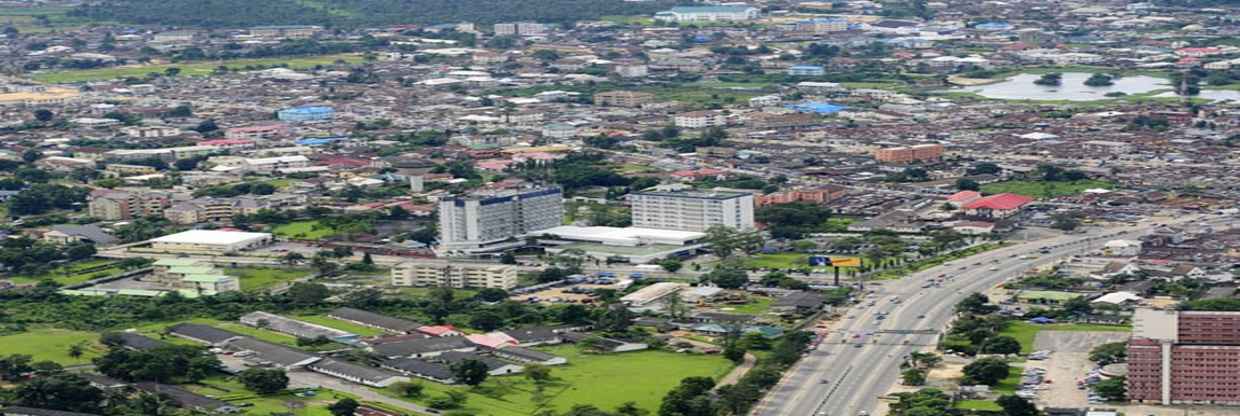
x=622, y=236
x=210, y=237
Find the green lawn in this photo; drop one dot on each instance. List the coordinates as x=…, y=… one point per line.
x=71, y=274
x=757, y=306
x=197, y=68
x=1025, y=332
x=1011, y=383
x=629, y=20
x=52, y=345
x=260, y=278
x=1045, y=190
x=304, y=230
x=979, y=405
x=341, y=325
x=605, y=381
x=230, y=390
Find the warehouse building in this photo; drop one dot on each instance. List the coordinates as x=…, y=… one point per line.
x=212, y=242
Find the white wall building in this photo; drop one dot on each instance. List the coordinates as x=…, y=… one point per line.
x=692, y=210
x=454, y=275
x=491, y=221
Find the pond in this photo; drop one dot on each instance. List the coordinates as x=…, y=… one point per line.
x=1073, y=88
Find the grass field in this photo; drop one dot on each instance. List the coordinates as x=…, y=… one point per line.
x=757, y=306
x=230, y=390
x=304, y=230
x=1044, y=190
x=605, y=381
x=1025, y=332
x=261, y=278
x=71, y=274
x=193, y=69
x=29, y=19
x=52, y=345
x=979, y=405
x=341, y=325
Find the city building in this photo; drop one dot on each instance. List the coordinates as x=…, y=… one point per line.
x=807, y=70
x=631, y=99
x=700, y=119
x=192, y=278
x=112, y=205
x=258, y=132
x=210, y=242
x=488, y=221
x=454, y=275
x=286, y=32
x=692, y=210
x=632, y=244
x=708, y=14
x=150, y=132
x=822, y=25
x=308, y=113
x=910, y=154
x=997, y=206
x=520, y=29
x=1184, y=357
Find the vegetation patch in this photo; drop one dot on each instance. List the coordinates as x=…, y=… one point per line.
x=1045, y=189
x=50, y=344
x=200, y=68
x=261, y=278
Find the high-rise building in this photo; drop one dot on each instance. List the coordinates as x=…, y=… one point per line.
x=910, y=154
x=1189, y=357
x=454, y=275
x=489, y=221
x=114, y=205
x=692, y=210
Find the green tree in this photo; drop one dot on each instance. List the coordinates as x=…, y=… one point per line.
x=1017, y=406
x=965, y=184
x=1109, y=353
x=43, y=115
x=60, y=391
x=410, y=390
x=344, y=407
x=671, y=265
x=913, y=377
x=727, y=277
x=263, y=380
x=1112, y=389
x=303, y=293
x=1001, y=345
x=988, y=371
x=470, y=372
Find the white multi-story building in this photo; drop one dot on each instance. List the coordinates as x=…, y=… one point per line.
x=699, y=119
x=491, y=221
x=692, y=210
x=708, y=14
x=454, y=275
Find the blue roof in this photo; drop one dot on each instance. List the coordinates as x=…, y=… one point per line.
x=319, y=141
x=816, y=107
x=309, y=109
x=806, y=66
x=994, y=26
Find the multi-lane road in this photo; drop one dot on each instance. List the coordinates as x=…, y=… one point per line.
x=860, y=359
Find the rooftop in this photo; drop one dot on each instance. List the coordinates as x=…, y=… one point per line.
x=214, y=237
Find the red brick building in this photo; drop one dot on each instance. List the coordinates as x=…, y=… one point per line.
x=910, y=154
x=1190, y=357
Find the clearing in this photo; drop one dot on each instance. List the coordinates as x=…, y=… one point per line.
x=1026, y=332
x=1043, y=189
x=262, y=278
x=304, y=230
x=72, y=274
x=50, y=344
x=606, y=381
x=192, y=69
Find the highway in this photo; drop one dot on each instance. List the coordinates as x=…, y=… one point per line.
x=858, y=361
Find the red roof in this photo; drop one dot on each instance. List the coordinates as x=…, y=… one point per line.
x=1004, y=201
x=964, y=196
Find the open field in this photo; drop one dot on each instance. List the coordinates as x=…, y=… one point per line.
x=1043, y=189
x=605, y=381
x=196, y=68
x=304, y=230
x=260, y=278
x=341, y=325
x=1025, y=332
x=72, y=274
x=41, y=19
x=756, y=306
x=51, y=344
x=230, y=390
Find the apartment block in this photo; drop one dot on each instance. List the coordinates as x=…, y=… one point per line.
x=692, y=210
x=106, y=204
x=632, y=99
x=454, y=275
x=1184, y=357
x=700, y=120
x=488, y=221
x=910, y=154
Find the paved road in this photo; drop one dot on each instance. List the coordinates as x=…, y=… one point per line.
x=309, y=379
x=856, y=363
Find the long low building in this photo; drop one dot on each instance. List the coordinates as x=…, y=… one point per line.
x=210, y=242
x=634, y=244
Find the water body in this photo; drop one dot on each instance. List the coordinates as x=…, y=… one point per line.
x=1073, y=88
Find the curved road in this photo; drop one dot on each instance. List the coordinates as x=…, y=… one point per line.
x=858, y=362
